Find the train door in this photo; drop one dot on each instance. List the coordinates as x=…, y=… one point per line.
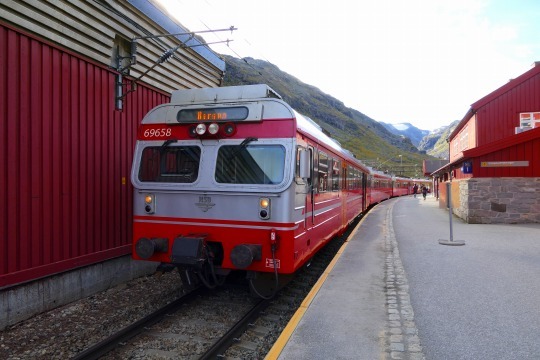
x=344, y=194
x=310, y=196
x=305, y=185
x=364, y=191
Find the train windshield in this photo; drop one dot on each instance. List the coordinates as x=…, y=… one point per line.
x=176, y=164
x=252, y=164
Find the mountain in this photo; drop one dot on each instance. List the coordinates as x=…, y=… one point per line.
x=368, y=139
x=430, y=142
x=435, y=142
x=408, y=130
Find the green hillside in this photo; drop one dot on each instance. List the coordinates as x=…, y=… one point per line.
x=365, y=137
x=435, y=143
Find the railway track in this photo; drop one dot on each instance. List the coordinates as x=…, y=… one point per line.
x=199, y=322
x=203, y=324
x=112, y=342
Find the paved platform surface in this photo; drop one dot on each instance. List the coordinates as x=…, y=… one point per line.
x=396, y=293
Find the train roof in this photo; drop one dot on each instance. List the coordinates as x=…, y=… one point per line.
x=305, y=125
x=227, y=93
x=259, y=92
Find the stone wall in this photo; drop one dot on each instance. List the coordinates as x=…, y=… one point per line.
x=499, y=200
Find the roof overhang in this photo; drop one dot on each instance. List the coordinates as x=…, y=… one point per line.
x=148, y=8
x=503, y=143
x=535, y=70
x=491, y=148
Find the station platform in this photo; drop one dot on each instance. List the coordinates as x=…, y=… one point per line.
x=395, y=292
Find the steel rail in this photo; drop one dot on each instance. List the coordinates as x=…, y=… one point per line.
x=110, y=343
x=220, y=346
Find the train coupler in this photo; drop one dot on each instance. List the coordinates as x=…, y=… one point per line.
x=189, y=251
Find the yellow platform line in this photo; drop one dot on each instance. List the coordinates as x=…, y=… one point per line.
x=280, y=343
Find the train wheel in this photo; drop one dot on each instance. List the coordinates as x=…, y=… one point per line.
x=264, y=284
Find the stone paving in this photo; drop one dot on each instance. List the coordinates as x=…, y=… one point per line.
x=402, y=335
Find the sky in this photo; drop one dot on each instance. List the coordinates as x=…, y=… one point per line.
x=418, y=61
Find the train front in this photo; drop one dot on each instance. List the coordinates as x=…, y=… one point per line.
x=213, y=174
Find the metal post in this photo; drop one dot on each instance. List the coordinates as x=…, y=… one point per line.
x=450, y=213
x=449, y=192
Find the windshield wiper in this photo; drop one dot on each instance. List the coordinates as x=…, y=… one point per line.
x=167, y=143
x=246, y=141
x=243, y=145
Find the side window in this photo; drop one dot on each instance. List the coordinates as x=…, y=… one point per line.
x=323, y=171
x=297, y=166
x=313, y=178
x=336, y=170
x=350, y=176
x=298, y=179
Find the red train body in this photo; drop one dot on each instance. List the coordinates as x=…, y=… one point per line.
x=234, y=179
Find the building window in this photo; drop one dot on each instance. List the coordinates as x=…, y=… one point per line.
x=464, y=139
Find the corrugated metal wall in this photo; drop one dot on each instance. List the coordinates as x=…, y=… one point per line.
x=498, y=118
x=94, y=29
x=65, y=159
x=527, y=151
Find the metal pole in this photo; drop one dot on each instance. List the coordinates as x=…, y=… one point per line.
x=449, y=192
x=450, y=213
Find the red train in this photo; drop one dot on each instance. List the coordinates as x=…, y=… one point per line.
x=233, y=179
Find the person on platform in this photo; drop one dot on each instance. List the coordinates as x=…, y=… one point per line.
x=415, y=190
x=424, y=192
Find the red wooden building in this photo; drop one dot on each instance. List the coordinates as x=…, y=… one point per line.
x=495, y=156
x=69, y=113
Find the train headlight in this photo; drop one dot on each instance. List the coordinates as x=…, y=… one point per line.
x=200, y=129
x=149, y=203
x=264, y=208
x=213, y=128
x=229, y=129
x=192, y=131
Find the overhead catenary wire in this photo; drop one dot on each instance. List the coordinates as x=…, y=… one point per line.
x=157, y=40
x=190, y=33
x=231, y=49
x=184, y=44
x=168, y=54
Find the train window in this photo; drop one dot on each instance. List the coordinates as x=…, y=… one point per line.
x=252, y=164
x=350, y=176
x=175, y=164
x=297, y=167
x=303, y=164
x=335, y=174
x=323, y=172
x=314, y=181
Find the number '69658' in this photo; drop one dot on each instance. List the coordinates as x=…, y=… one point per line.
x=156, y=132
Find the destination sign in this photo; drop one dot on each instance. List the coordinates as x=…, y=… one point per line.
x=213, y=114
